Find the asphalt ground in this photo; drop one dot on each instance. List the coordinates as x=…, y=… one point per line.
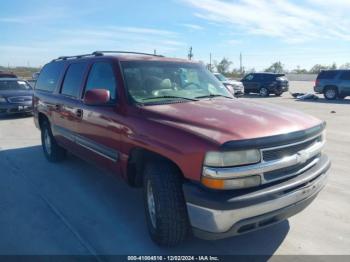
x=75, y=208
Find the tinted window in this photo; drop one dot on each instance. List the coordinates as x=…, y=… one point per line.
x=327, y=74
x=49, y=76
x=345, y=75
x=102, y=77
x=249, y=77
x=14, y=85
x=73, y=79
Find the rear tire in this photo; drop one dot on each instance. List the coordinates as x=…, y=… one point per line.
x=330, y=92
x=52, y=151
x=165, y=206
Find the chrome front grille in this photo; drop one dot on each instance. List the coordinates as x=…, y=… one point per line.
x=290, y=171
x=277, y=163
x=19, y=99
x=281, y=152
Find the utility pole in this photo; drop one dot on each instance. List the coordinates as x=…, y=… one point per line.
x=190, y=54
x=210, y=67
x=240, y=63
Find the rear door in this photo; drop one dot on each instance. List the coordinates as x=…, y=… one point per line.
x=99, y=130
x=67, y=105
x=344, y=83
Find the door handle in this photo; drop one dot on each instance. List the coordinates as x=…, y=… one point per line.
x=79, y=113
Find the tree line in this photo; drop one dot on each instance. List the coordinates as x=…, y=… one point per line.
x=224, y=67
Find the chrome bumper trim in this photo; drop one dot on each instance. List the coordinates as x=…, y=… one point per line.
x=221, y=221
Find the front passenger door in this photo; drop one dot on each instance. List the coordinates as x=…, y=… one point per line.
x=99, y=131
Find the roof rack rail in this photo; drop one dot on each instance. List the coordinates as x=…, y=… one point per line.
x=124, y=52
x=101, y=53
x=76, y=56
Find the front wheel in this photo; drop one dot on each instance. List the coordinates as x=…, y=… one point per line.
x=165, y=206
x=264, y=92
x=53, y=152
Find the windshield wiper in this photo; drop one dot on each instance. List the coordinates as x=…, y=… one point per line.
x=176, y=97
x=213, y=95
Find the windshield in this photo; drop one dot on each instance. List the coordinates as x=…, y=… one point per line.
x=14, y=85
x=152, y=82
x=221, y=77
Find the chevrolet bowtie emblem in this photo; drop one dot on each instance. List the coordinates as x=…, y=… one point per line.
x=302, y=156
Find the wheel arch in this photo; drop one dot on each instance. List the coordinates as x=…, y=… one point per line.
x=138, y=157
x=42, y=118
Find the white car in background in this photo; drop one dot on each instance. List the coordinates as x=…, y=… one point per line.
x=234, y=86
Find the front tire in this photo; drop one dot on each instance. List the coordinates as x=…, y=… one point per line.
x=52, y=151
x=165, y=206
x=264, y=92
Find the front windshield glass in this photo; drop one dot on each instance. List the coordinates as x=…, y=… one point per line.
x=221, y=77
x=152, y=82
x=14, y=85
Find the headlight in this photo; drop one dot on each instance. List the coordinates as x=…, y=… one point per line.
x=3, y=99
x=233, y=158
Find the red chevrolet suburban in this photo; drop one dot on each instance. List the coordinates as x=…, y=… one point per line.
x=209, y=164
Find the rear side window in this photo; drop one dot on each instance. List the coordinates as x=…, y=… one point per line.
x=102, y=77
x=327, y=75
x=49, y=76
x=345, y=75
x=73, y=79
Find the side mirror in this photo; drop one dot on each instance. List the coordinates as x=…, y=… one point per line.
x=96, y=97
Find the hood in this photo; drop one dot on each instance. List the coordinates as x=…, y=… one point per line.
x=221, y=120
x=9, y=93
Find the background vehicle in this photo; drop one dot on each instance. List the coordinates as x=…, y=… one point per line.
x=16, y=96
x=7, y=75
x=207, y=162
x=235, y=87
x=333, y=84
x=265, y=84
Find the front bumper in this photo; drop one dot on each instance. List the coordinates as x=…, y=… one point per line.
x=215, y=215
x=18, y=108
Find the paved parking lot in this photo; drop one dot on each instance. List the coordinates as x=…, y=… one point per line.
x=74, y=208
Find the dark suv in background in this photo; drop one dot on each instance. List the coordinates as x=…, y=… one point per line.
x=333, y=84
x=265, y=84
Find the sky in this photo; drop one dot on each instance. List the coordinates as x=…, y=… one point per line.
x=295, y=32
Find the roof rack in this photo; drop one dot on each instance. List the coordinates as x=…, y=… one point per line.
x=76, y=56
x=125, y=52
x=101, y=53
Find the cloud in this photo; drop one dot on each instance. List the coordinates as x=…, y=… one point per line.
x=280, y=19
x=193, y=26
x=86, y=40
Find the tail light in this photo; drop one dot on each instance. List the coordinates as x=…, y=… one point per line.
x=317, y=82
